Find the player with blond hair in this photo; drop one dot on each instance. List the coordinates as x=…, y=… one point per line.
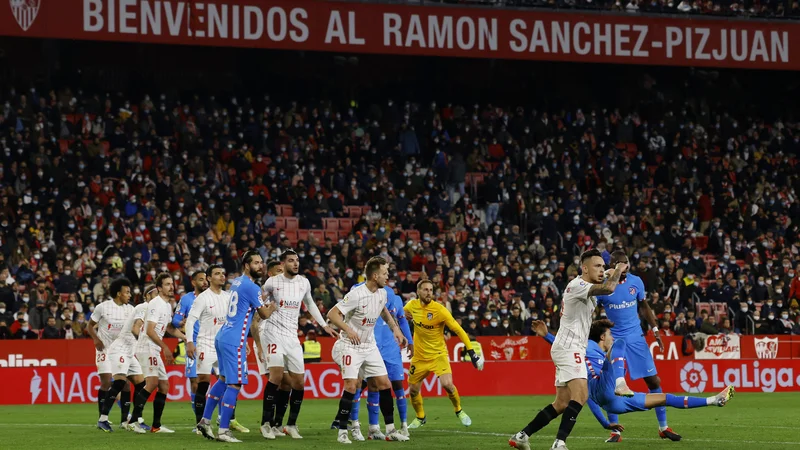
x=430, y=351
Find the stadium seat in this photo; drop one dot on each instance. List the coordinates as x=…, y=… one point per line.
x=318, y=235
x=302, y=235
x=413, y=276
x=292, y=236
x=284, y=210
x=330, y=224
x=280, y=223
x=354, y=212
x=292, y=223
x=346, y=225
x=701, y=243
x=413, y=235
x=332, y=235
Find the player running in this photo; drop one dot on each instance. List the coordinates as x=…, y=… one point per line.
x=569, y=349
x=200, y=284
x=109, y=317
x=356, y=352
x=282, y=349
x=120, y=291
x=605, y=363
x=623, y=307
x=392, y=356
x=231, y=346
x=149, y=348
x=205, y=318
x=274, y=268
x=430, y=353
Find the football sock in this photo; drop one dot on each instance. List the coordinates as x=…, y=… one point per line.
x=111, y=395
x=125, y=402
x=354, y=411
x=227, y=407
x=684, y=402
x=541, y=420
x=101, y=398
x=268, y=405
x=387, y=407
x=455, y=399
x=568, y=419
x=295, y=402
x=374, y=407
x=281, y=405
x=661, y=411
x=158, y=408
x=416, y=403
x=345, y=404
x=193, y=395
x=200, y=400
x=213, y=398
x=138, y=403
x=618, y=359
x=402, y=404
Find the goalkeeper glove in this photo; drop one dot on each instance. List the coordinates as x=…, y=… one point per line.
x=477, y=361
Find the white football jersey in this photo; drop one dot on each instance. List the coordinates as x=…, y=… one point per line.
x=361, y=308
x=211, y=310
x=126, y=341
x=577, y=310
x=159, y=311
x=110, y=318
x=289, y=295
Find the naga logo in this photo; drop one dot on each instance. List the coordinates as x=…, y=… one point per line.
x=693, y=377
x=25, y=12
x=16, y=360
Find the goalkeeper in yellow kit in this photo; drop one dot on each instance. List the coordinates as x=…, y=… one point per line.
x=430, y=352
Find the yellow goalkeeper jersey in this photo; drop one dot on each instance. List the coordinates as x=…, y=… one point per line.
x=429, y=322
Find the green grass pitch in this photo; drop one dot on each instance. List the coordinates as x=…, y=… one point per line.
x=749, y=421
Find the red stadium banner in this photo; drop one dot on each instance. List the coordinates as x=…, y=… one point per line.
x=53, y=385
x=414, y=30
x=80, y=352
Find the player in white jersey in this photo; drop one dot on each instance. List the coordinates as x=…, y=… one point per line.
x=210, y=309
x=569, y=349
x=109, y=317
x=149, y=347
x=120, y=291
x=274, y=268
x=356, y=351
x=279, y=342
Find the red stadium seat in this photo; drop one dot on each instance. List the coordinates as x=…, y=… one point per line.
x=413, y=276
x=284, y=210
x=413, y=235
x=346, y=225
x=292, y=223
x=354, y=211
x=319, y=236
x=292, y=235
x=302, y=235
x=332, y=235
x=701, y=243
x=330, y=224
x=280, y=223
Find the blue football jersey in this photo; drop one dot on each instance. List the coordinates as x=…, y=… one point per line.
x=245, y=299
x=184, y=307
x=622, y=306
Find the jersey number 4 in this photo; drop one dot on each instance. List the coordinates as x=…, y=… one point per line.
x=234, y=305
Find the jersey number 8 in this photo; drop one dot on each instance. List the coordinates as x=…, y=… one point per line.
x=234, y=304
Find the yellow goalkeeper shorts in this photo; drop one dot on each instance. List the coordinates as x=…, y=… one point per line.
x=420, y=370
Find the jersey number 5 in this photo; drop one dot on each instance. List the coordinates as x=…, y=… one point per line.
x=578, y=358
x=234, y=305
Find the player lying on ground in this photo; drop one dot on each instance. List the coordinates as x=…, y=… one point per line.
x=430, y=353
x=624, y=306
x=392, y=356
x=356, y=351
x=607, y=388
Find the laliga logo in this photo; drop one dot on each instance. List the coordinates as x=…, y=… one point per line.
x=25, y=12
x=693, y=377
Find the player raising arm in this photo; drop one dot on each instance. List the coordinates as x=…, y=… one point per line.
x=230, y=344
x=605, y=363
x=569, y=349
x=430, y=352
x=356, y=352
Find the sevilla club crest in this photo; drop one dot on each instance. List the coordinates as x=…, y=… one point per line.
x=25, y=12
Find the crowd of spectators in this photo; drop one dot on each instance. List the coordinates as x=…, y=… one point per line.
x=731, y=8
x=503, y=199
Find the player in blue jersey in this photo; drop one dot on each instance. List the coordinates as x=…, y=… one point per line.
x=199, y=284
x=393, y=359
x=231, y=346
x=605, y=364
x=624, y=307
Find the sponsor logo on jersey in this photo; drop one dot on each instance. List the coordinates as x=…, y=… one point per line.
x=632, y=291
x=430, y=316
x=622, y=305
x=367, y=322
x=422, y=325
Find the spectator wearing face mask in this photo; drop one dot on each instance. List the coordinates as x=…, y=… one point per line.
x=5, y=331
x=741, y=322
x=25, y=332
x=515, y=322
x=768, y=308
x=493, y=328
x=783, y=325
x=774, y=324
x=50, y=331
x=5, y=315
x=760, y=325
